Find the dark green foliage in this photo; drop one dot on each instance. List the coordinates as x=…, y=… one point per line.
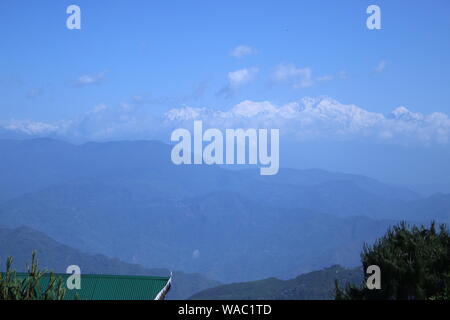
x=32, y=286
x=414, y=263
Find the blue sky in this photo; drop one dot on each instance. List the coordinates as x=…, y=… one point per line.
x=176, y=53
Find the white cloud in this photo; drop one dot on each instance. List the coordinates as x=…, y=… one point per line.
x=31, y=127
x=99, y=108
x=298, y=77
x=237, y=79
x=85, y=80
x=327, y=77
x=285, y=72
x=138, y=98
x=242, y=51
x=381, y=66
x=240, y=77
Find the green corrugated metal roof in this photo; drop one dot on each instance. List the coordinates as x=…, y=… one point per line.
x=111, y=287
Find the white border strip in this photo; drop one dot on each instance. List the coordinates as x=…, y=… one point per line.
x=161, y=295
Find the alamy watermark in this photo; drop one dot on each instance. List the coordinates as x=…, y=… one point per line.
x=73, y=22
x=373, y=22
x=73, y=282
x=236, y=146
x=373, y=281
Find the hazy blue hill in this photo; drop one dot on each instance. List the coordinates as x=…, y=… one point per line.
x=28, y=165
x=435, y=207
x=31, y=165
x=20, y=242
x=126, y=199
x=236, y=238
x=34, y=164
x=313, y=177
x=317, y=285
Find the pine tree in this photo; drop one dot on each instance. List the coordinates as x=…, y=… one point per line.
x=32, y=286
x=414, y=263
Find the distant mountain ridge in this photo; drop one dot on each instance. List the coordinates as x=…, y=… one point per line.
x=20, y=242
x=316, y=285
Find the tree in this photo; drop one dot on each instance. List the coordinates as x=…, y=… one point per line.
x=414, y=263
x=33, y=286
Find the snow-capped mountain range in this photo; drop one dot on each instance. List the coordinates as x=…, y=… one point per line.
x=304, y=119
